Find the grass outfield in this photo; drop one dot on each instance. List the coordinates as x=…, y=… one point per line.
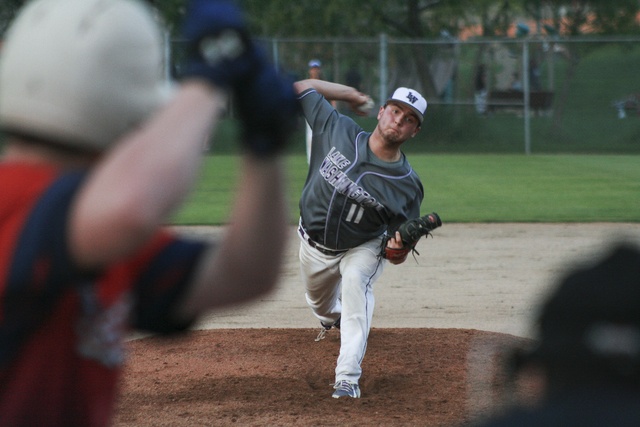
x=470, y=188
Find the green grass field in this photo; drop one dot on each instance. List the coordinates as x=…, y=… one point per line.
x=469, y=188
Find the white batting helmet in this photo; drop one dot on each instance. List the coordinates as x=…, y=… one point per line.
x=81, y=72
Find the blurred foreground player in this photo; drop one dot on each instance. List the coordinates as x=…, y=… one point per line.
x=97, y=157
x=587, y=357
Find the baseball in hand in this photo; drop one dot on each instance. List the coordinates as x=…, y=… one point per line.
x=367, y=106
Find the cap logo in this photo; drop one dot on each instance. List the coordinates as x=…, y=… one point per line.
x=412, y=98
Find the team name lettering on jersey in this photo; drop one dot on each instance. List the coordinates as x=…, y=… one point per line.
x=100, y=329
x=330, y=170
x=337, y=158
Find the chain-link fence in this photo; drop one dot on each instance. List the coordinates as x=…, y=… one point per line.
x=501, y=95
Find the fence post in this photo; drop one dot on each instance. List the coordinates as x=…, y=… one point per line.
x=383, y=68
x=337, y=75
x=526, y=87
x=275, y=53
x=167, y=55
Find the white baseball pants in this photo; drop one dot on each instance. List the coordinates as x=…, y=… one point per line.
x=342, y=286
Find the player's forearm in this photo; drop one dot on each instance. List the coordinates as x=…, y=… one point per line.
x=146, y=176
x=247, y=261
x=331, y=91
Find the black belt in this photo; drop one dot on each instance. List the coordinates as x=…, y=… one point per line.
x=318, y=246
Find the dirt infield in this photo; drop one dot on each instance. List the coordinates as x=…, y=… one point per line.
x=441, y=326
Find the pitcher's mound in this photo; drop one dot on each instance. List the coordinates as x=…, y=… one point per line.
x=282, y=377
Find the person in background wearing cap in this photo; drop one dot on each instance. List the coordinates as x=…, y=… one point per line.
x=587, y=352
x=96, y=159
x=315, y=72
x=359, y=187
x=315, y=69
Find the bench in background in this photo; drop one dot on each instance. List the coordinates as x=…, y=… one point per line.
x=513, y=99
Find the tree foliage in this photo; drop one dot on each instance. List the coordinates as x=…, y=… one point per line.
x=582, y=17
x=8, y=9
x=408, y=18
x=366, y=18
x=430, y=18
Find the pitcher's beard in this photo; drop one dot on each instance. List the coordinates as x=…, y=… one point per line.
x=392, y=138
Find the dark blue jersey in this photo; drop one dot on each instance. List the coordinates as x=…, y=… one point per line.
x=600, y=406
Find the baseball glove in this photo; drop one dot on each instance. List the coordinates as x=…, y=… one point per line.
x=411, y=231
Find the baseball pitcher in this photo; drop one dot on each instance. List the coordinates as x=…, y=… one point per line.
x=360, y=207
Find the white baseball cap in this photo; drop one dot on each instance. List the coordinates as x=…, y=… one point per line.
x=411, y=98
x=81, y=72
x=315, y=63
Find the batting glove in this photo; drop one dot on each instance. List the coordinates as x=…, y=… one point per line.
x=218, y=44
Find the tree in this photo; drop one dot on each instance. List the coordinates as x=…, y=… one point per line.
x=172, y=13
x=8, y=9
x=405, y=19
x=580, y=17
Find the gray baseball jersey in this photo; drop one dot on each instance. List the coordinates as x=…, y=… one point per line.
x=350, y=196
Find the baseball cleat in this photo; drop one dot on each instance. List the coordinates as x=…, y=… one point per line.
x=346, y=389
